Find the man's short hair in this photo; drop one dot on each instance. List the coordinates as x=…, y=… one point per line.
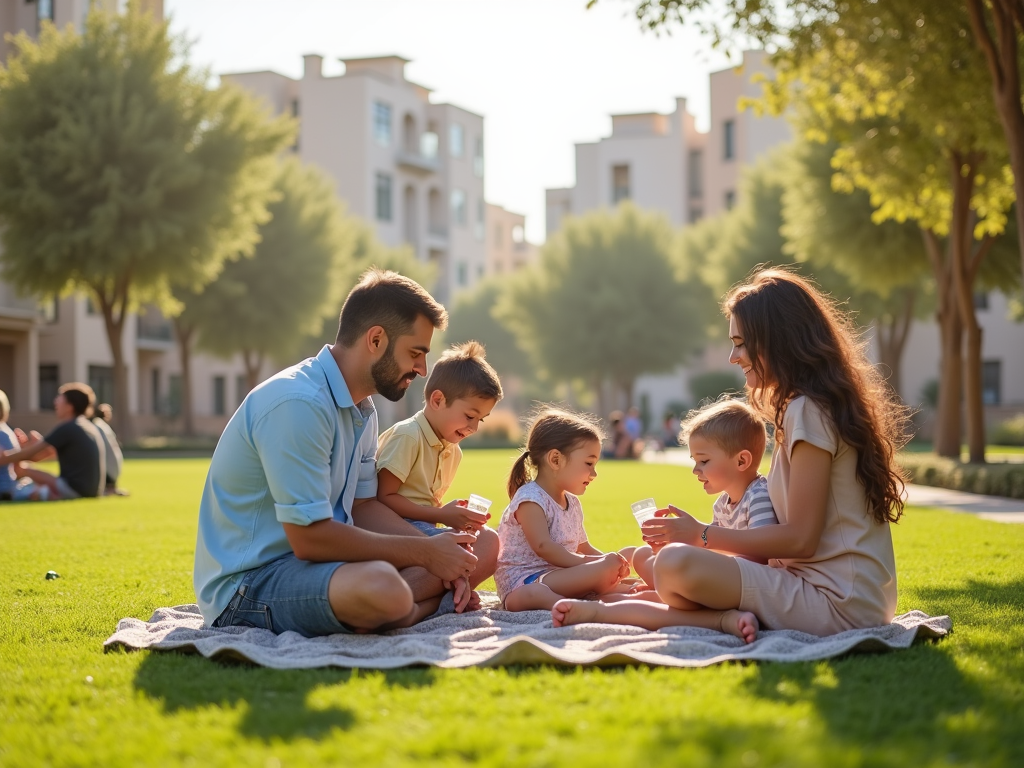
x=80, y=396
x=5, y=406
x=390, y=300
x=463, y=372
x=731, y=424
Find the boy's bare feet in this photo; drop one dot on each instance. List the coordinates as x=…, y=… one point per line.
x=743, y=624
x=568, y=612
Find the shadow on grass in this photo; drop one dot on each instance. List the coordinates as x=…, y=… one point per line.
x=276, y=702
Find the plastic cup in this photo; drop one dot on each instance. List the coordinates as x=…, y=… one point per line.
x=644, y=510
x=478, y=503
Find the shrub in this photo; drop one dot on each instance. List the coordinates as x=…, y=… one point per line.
x=711, y=386
x=1010, y=432
x=989, y=479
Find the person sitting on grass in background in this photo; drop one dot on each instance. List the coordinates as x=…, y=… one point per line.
x=417, y=458
x=834, y=483
x=12, y=486
x=545, y=554
x=727, y=441
x=114, y=459
x=77, y=443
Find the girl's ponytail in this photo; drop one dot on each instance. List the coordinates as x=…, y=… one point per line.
x=519, y=475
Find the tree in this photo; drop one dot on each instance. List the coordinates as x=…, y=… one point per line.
x=121, y=172
x=606, y=302
x=259, y=304
x=473, y=317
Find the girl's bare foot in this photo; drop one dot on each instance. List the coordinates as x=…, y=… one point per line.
x=567, y=612
x=743, y=624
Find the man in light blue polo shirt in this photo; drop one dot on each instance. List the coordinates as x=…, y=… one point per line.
x=276, y=546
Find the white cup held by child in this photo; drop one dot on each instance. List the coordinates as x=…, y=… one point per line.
x=478, y=503
x=644, y=510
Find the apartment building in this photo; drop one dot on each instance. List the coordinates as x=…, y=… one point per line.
x=507, y=248
x=662, y=163
x=46, y=343
x=412, y=167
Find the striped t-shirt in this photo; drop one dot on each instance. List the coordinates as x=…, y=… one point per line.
x=753, y=510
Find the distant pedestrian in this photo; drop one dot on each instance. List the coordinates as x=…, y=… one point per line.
x=114, y=459
x=13, y=487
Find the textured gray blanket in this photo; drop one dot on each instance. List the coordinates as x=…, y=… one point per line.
x=493, y=637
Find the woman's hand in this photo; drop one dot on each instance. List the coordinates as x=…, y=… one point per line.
x=662, y=529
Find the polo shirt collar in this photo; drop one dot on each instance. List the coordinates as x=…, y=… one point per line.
x=428, y=431
x=336, y=382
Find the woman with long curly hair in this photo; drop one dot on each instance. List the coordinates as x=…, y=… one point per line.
x=833, y=482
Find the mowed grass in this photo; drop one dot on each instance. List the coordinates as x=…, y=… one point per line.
x=64, y=702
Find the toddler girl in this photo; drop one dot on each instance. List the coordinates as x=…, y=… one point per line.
x=545, y=555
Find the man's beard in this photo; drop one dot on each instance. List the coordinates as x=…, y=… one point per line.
x=388, y=377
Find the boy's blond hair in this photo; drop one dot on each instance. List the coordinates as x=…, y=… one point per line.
x=463, y=372
x=731, y=424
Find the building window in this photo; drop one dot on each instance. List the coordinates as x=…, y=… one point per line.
x=729, y=140
x=459, y=207
x=174, y=395
x=101, y=379
x=44, y=10
x=90, y=307
x=295, y=114
x=478, y=228
x=428, y=145
x=49, y=310
x=518, y=234
x=241, y=388
x=695, y=179
x=219, y=395
x=154, y=390
x=499, y=235
x=382, y=123
x=620, y=183
x=981, y=300
x=695, y=215
x=455, y=140
x=991, y=382
x=478, y=157
x=461, y=273
x=49, y=381
x=730, y=200
x=383, y=197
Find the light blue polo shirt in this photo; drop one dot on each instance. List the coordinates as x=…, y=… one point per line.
x=297, y=450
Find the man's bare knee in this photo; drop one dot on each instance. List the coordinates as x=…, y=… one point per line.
x=367, y=595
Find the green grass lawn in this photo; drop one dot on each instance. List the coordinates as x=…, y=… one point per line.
x=63, y=702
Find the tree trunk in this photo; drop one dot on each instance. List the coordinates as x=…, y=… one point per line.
x=253, y=363
x=184, y=334
x=1001, y=55
x=114, y=312
x=946, y=441
x=627, y=386
x=964, y=262
x=602, y=402
x=892, y=340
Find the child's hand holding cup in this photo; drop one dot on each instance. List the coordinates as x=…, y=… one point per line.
x=644, y=510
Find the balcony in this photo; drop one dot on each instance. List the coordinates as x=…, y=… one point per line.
x=154, y=332
x=417, y=163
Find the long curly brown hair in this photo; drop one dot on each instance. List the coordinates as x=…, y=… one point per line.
x=801, y=343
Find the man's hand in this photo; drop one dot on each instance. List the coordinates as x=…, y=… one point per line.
x=447, y=558
x=456, y=515
x=662, y=529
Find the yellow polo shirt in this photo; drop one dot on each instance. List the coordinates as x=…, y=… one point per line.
x=424, y=463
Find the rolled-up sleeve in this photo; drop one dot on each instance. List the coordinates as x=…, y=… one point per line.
x=293, y=439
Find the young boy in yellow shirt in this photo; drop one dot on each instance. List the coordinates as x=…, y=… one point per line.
x=418, y=457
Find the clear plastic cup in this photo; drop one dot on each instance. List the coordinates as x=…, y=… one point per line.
x=478, y=503
x=644, y=510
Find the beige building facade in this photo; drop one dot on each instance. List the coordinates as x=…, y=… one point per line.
x=507, y=248
x=413, y=168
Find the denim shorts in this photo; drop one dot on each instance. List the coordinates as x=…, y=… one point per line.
x=285, y=595
x=430, y=529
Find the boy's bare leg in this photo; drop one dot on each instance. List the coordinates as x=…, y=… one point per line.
x=639, y=613
x=647, y=595
x=531, y=597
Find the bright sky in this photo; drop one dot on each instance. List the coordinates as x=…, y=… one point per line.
x=544, y=73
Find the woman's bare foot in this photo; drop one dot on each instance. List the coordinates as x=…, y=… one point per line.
x=743, y=624
x=567, y=612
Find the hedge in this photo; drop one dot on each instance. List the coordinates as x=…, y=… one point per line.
x=1005, y=479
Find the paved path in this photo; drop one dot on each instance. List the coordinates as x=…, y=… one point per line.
x=997, y=508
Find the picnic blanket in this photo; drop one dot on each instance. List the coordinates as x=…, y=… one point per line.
x=494, y=637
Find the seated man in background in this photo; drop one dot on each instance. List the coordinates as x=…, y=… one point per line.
x=77, y=443
x=114, y=459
